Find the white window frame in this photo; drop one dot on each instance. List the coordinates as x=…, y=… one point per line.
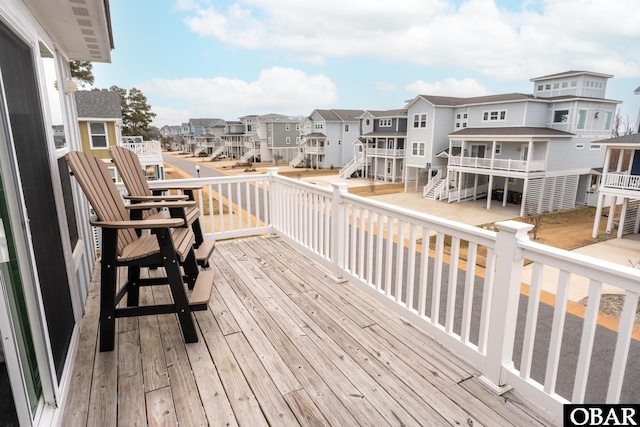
x=579, y=146
x=420, y=120
x=582, y=119
x=287, y=126
x=595, y=147
x=494, y=116
x=105, y=134
x=498, y=148
x=418, y=147
x=287, y=140
x=606, y=123
x=384, y=123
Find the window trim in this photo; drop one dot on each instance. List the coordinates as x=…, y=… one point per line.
x=500, y=115
x=105, y=134
x=565, y=116
x=417, y=147
x=420, y=120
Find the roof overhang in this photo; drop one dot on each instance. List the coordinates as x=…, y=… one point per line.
x=82, y=28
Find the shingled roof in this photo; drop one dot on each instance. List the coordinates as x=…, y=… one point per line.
x=98, y=104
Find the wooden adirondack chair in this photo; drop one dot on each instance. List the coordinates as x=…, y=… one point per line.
x=169, y=245
x=132, y=175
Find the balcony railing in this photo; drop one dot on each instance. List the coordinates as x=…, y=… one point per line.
x=149, y=152
x=398, y=256
x=314, y=149
x=622, y=181
x=385, y=152
x=498, y=164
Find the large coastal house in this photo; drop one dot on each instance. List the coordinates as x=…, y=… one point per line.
x=326, y=138
x=536, y=150
x=620, y=186
x=380, y=151
x=276, y=139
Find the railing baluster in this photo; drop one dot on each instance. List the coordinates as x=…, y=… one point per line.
x=453, y=283
x=370, y=234
x=559, y=315
x=487, y=294
x=625, y=328
x=379, y=257
x=411, y=266
x=586, y=343
x=532, y=320
x=389, y=259
x=361, y=246
x=437, y=278
x=472, y=253
x=399, y=261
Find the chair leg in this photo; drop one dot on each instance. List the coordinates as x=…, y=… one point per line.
x=197, y=232
x=176, y=285
x=190, y=266
x=108, y=278
x=133, y=286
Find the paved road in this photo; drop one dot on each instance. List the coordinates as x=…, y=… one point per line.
x=604, y=343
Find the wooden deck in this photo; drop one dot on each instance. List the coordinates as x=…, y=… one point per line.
x=282, y=344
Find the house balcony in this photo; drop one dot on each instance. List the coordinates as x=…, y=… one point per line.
x=622, y=181
x=385, y=152
x=149, y=152
x=320, y=317
x=314, y=149
x=510, y=165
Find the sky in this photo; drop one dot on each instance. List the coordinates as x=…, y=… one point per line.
x=228, y=59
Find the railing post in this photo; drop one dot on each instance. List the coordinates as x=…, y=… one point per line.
x=274, y=207
x=338, y=231
x=503, y=311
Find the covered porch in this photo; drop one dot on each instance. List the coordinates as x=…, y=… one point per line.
x=281, y=344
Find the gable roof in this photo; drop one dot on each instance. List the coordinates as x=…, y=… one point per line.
x=625, y=139
x=451, y=101
x=399, y=112
x=98, y=104
x=339, y=115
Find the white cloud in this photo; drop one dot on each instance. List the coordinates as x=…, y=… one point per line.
x=383, y=87
x=169, y=116
x=533, y=38
x=277, y=90
x=448, y=87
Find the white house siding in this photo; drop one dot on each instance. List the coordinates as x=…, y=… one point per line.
x=420, y=134
x=536, y=114
x=514, y=115
x=564, y=154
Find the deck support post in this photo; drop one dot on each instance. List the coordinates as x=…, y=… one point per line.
x=504, y=303
x=338, y=231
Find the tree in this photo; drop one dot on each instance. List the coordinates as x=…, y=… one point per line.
x=621, y=125
x=277, y=158
x=136, y=112
x=81, y=72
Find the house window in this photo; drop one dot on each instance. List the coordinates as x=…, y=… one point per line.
x=418, y=149
x=494, y=115
x=582, y=118
x=367, y=122
x=594, y=147
x=540, y=87
x=420, y=120
x=565, y=84
x=607, y=120
x=457, y=125
x=346, y=128
x=547, y=86
x=287, y=126
x=318, y=126
x=112, y=172
x=498, y=148
x=385, y=123
x=457, y=116
x=298, y=126
x=556, y=85
x=560, y=116
x=579, y=146
x=464, y=125
x=287, y=140
x=464, y=116
x=98, y=135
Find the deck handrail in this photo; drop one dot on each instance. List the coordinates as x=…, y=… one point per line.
x=356, y=238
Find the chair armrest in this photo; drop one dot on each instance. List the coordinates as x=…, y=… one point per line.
x=170, y=197
x=161, y=204
x=148, y=224
x=176, y=187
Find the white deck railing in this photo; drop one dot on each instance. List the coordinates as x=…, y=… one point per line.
x=498, y=164
x=385, y=152
x=471, y=310
x=623, y=181
x=149, y=152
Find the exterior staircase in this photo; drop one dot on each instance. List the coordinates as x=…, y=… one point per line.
x=351, y=167
x=433, y=189
x=218, y=151
x=631, y=217
x=248, y=155
x=297, y=160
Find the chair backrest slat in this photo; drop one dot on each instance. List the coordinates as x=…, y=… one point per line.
x=130, y=169
x=98, y=186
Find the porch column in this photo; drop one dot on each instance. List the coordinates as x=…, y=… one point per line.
x=459, y=185
x=506, y=191
x=596, y=222
x=493, y=152
x=393, y=170
x=475, y=187
x=489, y=192
x=612, y=213
x=623, y=217
x=523, y=201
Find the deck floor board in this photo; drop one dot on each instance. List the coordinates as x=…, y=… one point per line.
x=281, y=344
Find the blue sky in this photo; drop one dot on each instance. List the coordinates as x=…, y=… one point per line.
x=226, y=59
